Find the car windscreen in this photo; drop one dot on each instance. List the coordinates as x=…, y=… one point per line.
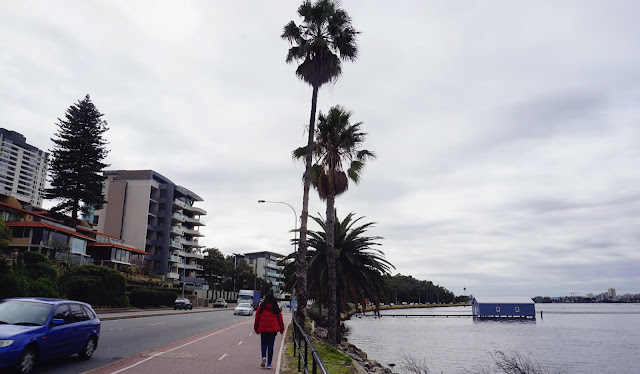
x=244, y=305
x=26, y=313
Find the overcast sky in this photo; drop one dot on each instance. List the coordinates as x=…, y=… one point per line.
x=507, y=132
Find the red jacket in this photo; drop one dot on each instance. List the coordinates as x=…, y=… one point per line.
x=266, y=321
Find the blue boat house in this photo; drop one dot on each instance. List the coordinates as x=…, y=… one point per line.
x=503, y=307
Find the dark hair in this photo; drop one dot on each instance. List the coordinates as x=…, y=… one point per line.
x=270, y=299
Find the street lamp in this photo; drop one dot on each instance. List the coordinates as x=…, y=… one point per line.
x=295, y=222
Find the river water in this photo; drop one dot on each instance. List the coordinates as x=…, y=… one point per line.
x=571, y=338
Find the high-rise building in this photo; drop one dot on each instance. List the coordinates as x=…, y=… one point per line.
x=611, y=293
x=23, y=168
x=152, y=213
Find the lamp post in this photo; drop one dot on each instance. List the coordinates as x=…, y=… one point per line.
x=295, y=233
x=295, y=222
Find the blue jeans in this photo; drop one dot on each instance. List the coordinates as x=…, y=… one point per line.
x=267, y=339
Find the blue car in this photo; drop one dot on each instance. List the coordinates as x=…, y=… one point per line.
x=33, y=329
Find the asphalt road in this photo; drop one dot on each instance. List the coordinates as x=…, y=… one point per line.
x=122, y=338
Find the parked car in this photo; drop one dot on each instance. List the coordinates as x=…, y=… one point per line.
x=243, y=309
x=182, y=303
x=35, y=329
x=220, y=303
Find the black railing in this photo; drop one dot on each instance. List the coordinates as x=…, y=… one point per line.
x=301, y=345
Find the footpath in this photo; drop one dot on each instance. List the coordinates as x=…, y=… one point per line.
x=229, y=349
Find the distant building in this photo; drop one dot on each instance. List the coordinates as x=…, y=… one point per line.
x=512, y=307
x=23, y=168
x=611, y=293
x=265, y=266
x=153, y=214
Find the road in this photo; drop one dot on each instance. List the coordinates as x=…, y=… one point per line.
x=122, y=338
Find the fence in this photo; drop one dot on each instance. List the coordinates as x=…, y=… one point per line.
x=299, y=337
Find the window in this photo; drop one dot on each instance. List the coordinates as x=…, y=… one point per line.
x=62, y=312
x=497, y=309
x=517, y=309
x=77, y=313
x=88, y=312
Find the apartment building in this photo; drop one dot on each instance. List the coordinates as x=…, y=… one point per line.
x=23, y=168
x=150, y=212
x=265, y=266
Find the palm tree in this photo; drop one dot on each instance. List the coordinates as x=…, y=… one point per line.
x=361, y=268
x=323, y=39
x=337, y=141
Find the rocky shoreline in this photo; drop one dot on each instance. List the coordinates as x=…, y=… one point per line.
x=359, y=356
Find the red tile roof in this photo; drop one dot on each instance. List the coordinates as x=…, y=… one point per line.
x=51, y=227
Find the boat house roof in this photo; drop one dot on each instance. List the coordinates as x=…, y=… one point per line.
x=503, y=300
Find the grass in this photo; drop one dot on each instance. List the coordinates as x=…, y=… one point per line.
x=334, y=360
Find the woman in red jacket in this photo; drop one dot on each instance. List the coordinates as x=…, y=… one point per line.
x=268, y=322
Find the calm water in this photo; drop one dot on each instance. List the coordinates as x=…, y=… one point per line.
x=576, y=338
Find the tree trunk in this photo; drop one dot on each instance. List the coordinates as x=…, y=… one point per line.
x=301, y=260
x=333, y=321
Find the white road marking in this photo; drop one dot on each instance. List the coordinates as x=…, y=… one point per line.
x=240, y=342
x=173, y=349
x=223, y=356
x=159, y=323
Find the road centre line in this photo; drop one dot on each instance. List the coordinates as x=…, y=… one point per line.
x=223, y=356
x=240, y=342
x=159, y=323
x=181, y=346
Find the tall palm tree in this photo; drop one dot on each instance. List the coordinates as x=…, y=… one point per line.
x=323, y=39
x=361, y=268
x=337, y=142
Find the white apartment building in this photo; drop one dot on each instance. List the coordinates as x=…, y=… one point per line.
x=150, y=212
x=265, y=266
x=23, y=168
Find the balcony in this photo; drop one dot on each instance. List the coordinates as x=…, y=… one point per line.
x=199, y=256
x=154, y=227
x=172, y=275
x=190, y=243
x=193, y=221
x=195, y=209
x=193, y=267
x=175, y=244
x=177, y=217
x=192, y=232
x=178, y=204
x=192, y=280
x=177, y=230
x=273, y=274
x=174, y=258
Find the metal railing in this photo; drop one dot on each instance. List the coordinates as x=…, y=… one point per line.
x=300, y=339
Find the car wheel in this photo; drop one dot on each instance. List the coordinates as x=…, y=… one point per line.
x=27, y=361
x=174, y=308
x=88, y=349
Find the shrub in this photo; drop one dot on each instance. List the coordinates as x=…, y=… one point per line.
x=96, y=285
x=146, y=297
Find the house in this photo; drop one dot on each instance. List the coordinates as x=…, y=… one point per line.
x=500, y=307
x=38, y=230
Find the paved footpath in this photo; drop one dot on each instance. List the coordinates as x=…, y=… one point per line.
x=230, y=349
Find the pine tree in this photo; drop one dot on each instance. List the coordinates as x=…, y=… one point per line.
x=76, y=166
